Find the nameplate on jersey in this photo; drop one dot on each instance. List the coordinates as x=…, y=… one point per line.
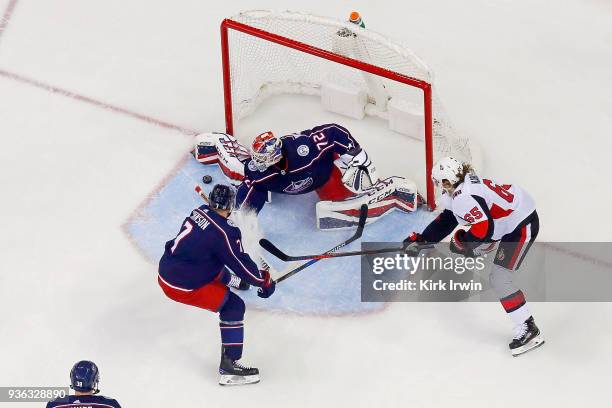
x=474, y=178
x=199, y=219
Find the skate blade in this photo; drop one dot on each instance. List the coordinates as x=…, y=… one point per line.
x=534, y=343
x=227, y=379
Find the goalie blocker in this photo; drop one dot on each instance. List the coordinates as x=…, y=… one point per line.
x=349, y=181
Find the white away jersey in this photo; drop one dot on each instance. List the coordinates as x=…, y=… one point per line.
x=477, y=200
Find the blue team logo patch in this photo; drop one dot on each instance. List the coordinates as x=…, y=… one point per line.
x=329, y=287
x=298, y=186
x=303, y=150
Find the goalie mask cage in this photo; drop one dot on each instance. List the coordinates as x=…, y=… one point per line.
x=267, y=53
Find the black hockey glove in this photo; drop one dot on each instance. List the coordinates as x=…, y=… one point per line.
x=412, y=243
x=459, y=246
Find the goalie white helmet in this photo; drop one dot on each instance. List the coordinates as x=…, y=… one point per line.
x=447, y=168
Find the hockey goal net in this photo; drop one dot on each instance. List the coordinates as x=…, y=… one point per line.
x=268, y=53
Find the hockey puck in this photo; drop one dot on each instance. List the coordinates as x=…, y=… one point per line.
x=206, y=179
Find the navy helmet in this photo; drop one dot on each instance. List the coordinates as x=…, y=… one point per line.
x=84, y=376
x=222, y=197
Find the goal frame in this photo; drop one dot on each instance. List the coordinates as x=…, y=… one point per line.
x=229, y=24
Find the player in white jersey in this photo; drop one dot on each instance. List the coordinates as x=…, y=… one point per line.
x=497, y=214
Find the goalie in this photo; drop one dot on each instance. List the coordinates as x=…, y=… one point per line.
x=326, y=159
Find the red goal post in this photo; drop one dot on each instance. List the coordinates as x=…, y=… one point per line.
x=301, y=33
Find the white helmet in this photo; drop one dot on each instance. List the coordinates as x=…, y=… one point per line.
x=447, y=168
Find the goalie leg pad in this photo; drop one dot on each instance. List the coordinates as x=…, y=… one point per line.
x=393, y=193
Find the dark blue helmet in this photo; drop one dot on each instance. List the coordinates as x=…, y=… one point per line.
x=222, y=197
x=84, y=376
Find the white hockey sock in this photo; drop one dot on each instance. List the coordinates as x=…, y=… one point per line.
x=511, y=298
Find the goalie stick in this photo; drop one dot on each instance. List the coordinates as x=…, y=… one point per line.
x=363, y=215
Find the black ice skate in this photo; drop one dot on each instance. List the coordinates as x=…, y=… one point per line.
x=234, y=373
x=237, y=283
x=527, y=336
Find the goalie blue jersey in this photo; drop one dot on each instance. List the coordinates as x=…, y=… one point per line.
x=307, y=164
x=205, y=244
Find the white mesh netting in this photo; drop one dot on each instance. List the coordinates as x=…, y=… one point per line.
x=260, y=68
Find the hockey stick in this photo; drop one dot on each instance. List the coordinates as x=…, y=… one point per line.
x=201, y=193
x=363, y=215
x=268, y=246
x=274, y=250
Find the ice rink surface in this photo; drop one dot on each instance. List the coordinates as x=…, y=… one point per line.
x=98, y=105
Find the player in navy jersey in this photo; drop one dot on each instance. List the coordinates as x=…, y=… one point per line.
x=326, y=159
x=303, y=162
x=498, y=214
x=84, y=378
x=193, y=271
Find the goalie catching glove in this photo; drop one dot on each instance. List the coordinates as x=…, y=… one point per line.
x=359, y=172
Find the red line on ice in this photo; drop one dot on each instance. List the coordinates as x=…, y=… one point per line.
x=6, y=16
x=94, y=102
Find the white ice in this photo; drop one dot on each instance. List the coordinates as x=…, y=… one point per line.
x=529, y=80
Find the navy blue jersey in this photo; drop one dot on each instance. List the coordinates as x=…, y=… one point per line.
x=83, y=401
x=205, y=244
x=308, y=161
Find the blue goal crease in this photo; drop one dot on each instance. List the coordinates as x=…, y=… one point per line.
x=328, y=287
